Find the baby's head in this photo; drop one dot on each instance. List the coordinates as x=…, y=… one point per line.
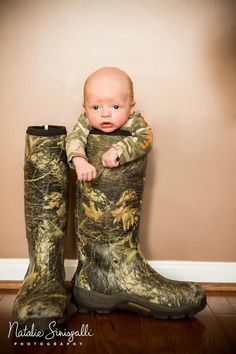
x=108, y=98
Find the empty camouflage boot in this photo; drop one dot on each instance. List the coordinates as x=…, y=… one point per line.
x=42, y=297
x=112, y=272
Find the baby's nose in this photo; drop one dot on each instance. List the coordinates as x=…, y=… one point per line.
x=106, y=112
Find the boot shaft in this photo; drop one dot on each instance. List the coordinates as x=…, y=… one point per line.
x=109, y=207
x=46, y=185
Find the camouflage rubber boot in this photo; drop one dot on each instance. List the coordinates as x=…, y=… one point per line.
x=43, y=297
x=112, y=272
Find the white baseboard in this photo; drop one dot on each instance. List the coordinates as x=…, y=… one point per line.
x=215, y=272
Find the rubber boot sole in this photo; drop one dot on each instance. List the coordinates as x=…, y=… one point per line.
x=43, y=324
x=91, y=301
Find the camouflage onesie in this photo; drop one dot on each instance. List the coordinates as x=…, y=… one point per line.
x=128, y=149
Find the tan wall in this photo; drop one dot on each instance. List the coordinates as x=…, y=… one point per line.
x=181, y=56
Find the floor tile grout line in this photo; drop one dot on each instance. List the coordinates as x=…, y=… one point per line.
x=221, y=327
x=222, y=296
x=209, y=308
x=234, y=310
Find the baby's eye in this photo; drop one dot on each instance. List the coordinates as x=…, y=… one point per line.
x=95, y=108
x=116, y=106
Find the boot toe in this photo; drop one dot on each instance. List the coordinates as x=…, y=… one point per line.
x=41, y=311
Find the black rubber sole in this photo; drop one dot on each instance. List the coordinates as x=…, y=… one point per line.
x=42, y=325
x=88, y=301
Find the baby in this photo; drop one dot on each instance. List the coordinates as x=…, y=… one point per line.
x=109, y=105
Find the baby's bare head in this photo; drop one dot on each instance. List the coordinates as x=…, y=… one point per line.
x=108, y=99
x=107, y=79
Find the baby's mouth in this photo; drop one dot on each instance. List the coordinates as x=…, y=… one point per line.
x=106, y=125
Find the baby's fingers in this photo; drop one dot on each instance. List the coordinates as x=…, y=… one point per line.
x=93, y=173
x=104, y=163
x=116, y=163
x=110, y=163
x=88, y=175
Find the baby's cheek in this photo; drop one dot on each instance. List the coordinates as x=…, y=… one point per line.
x=93, y=120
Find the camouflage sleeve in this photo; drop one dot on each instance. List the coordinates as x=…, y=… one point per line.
x=76, y=141
x=140, y=141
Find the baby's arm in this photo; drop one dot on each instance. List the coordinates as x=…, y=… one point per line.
x=75, y=149
x=134, y=146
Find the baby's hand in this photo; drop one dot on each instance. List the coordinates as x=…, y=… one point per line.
x=85, y=171
x=110, y=158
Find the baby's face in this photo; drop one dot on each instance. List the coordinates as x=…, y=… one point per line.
x=108, y=103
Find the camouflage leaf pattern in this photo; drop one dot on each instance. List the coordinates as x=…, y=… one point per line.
x=107, y=220
x=43, y=295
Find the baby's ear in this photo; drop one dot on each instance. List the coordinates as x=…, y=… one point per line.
x=132, y=107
